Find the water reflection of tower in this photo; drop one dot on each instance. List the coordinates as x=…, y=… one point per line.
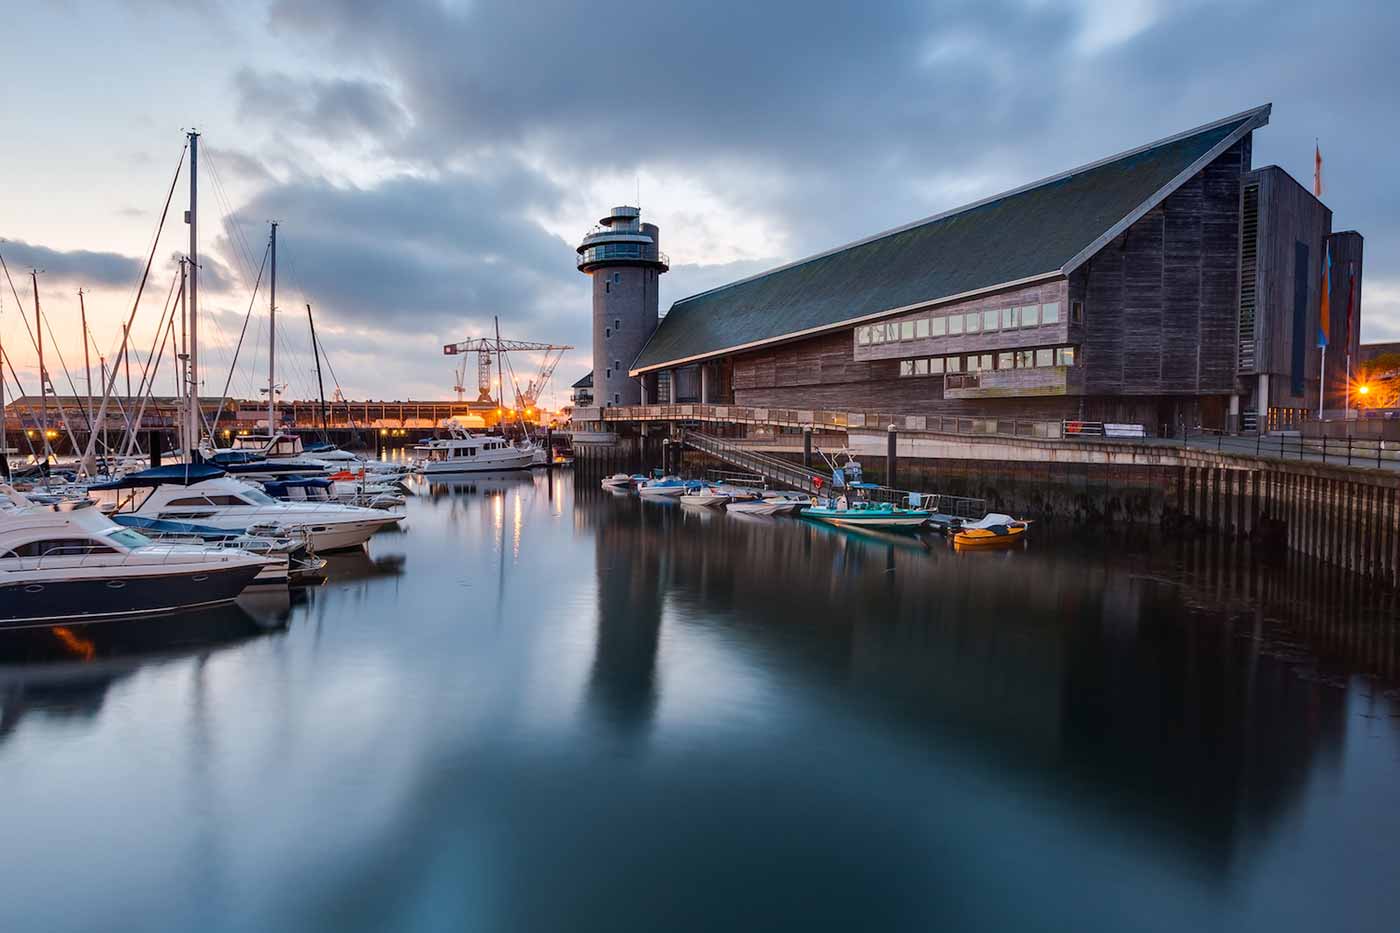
x=622, y=686
x=623, y=257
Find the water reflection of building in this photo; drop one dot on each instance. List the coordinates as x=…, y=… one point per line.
x=1119, y=679
x=622, y=685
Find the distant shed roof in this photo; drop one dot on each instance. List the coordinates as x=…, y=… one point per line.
x=1046, y=228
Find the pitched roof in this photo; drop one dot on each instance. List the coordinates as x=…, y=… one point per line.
x=1044, y=229
x=586, y=382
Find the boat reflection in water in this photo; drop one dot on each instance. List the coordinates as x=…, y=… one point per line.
x=66, y=670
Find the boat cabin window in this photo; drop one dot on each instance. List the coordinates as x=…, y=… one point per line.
x=254, y=497
x=128, y=538
x=62, y=547
x=226, y=500
x=192, y=501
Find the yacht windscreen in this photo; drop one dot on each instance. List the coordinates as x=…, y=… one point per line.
x=257, y=497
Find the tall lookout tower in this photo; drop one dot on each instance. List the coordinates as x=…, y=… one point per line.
x=624, y=257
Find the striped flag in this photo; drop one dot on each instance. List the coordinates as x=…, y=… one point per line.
x=1324, y=317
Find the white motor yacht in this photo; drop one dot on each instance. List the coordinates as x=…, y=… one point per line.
x=205, y=495
x=463, y=452
x=69, y=562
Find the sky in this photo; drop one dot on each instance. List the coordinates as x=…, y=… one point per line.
x=433, y=163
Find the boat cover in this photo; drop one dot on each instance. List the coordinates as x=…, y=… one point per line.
x=177, y=474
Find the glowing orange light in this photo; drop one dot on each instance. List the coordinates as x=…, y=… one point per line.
x=79, y=646
x=529, y=411
x=1364, y=389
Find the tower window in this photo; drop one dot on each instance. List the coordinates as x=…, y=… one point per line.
x=617, y=397
x=1076, y=312
x=607, y=332
x=607, y=286
x=609, y=373
x=617, y=364
x=617, y=323
x=617, y=278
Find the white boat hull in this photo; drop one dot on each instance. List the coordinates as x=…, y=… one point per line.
x=519, y=460
x=765, y=506
x=661, y=492
x=875, y=521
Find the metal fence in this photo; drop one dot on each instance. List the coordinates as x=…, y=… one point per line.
x=1343, y=451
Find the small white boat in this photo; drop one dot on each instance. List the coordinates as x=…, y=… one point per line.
x=768, y=505
x=706, y=497
x=618, y=481
x=667, y=487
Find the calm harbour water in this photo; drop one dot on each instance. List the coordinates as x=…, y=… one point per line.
x=541, y=706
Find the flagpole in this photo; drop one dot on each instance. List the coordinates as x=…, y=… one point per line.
x=1322, y=382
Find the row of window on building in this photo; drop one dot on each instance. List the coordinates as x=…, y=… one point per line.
x=969, y=322
x=981, y=362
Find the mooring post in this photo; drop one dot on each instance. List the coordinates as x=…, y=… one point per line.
x=807, y=448
x=891, y=455
x=549, y=448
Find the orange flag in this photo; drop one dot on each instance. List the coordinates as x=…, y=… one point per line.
x=1317, y=170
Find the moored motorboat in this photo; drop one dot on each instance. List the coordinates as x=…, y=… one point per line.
x=618, y=481
x=203, y=494
x=706, y=497
x=463, y=452
x=68, y=562
x=767, y=505
x=993, y=530
x=868, y=515
x=667, y=487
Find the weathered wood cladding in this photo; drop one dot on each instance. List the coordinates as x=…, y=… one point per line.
x=1347, y=253
x=1045, y=335
x=1288, y=215
x=1161, y=300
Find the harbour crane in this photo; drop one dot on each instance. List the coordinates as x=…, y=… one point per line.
x=490, y=352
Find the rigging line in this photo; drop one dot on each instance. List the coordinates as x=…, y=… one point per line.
x=126, y=332
x=19, y=399
x=146, y=389
x=252, y=300
x=238, y=239
x=134, y=425
x=64, y=366
x=43, y=370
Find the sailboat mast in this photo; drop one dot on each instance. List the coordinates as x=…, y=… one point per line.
x=272, y=339
x=87, y=359
x=192, y=313
x=320, y=386
x=43, y=373
x=4, y=434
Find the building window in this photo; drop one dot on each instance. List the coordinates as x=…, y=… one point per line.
x=617, y=278
x=1025, y=359
x=971, y=361
x=607, y=332
x=862, y=336
x=617, y=365
x=955, y=324
x=990, y=320
x=1064, y=356
x=1030, y=315
x=617, y=398
x=607, y=374
x=607, y=286
x=970, y=322
x=906, y=330
x=1006, y=360
x=1076, y=312
x=935, y=366
x=877, y=333
x=921, y=367
x=938, y=326
x=953, y=364
x=1050, y=312
x=906, y=367
x=985, y=362
x=617, y=323
x=1010, y=318
x=921, y=328
x=1045, y=357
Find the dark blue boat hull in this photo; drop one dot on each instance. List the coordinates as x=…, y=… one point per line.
x=83, y=600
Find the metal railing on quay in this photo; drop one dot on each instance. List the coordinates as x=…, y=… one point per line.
x=1342, y=451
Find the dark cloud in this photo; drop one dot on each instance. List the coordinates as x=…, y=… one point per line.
x=78, y=267
x=334, y=109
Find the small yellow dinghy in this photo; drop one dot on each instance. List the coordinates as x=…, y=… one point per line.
x=993, y=531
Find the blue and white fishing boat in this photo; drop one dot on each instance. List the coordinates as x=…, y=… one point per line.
x=868, y=515
x=668, y=487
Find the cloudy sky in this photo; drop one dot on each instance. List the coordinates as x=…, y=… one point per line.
x=432, y=163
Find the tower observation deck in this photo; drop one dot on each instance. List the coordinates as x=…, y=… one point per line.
x=624, y=259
